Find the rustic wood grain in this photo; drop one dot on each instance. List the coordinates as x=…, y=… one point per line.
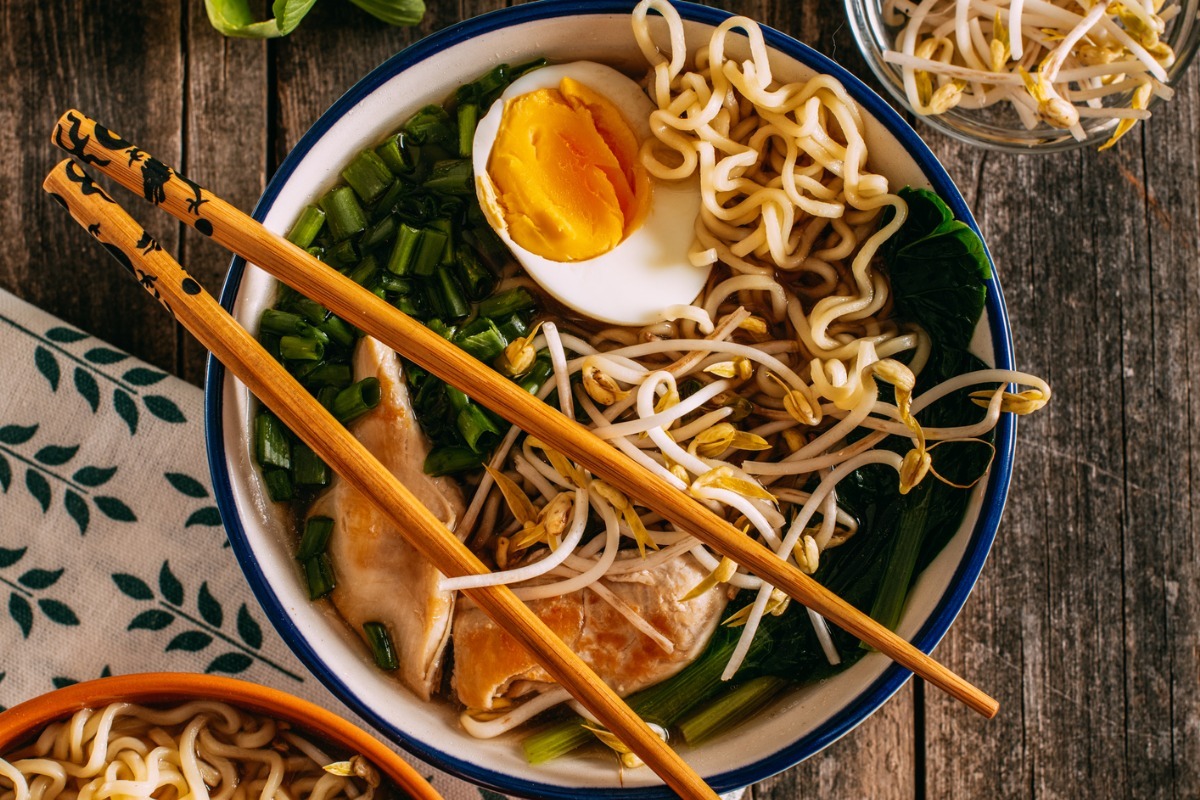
x=126, y=69
x=1086, y=623
x=1078, y=616
x=225, y=144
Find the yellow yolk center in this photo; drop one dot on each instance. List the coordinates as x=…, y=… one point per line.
x=566, y=172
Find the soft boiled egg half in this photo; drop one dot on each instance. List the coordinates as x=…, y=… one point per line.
x=559, y=179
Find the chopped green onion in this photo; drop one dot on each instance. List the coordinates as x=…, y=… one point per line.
x=282, y=323
x=393, y=283
x=329, y=374
x=313, y=312
x=301, y=348
x=380, y=233
x=480, y=434
x=380, y=642
x=343, y=213
x=301, y=369
x=307, y=467
x=452, y=297
x=478, y=280
x=432, y=295
x=315, y=538
x=270, y=343
x=326, y=395
x=491, y=83
x=356, y=399
x=452, y=176
x=302, y=234
x=393, y=152
x=341, y=254
x=528, y=66
x=512, y=327
x=429, y=252
x=318, y=573
x=365, y=271
x=272, y=447
x=458, y=398
x=481, y=339
x=446, y=226
x=441, y=328
x=505, y=303
x=431, y=124
x=468, y=117
x=279, y=484
x=368, y=175
x=338, y=331
x=410, y=304
x=451, y=460
x=408, y=240
x=386, y=205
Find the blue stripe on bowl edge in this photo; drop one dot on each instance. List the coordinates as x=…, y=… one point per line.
x=870, y=698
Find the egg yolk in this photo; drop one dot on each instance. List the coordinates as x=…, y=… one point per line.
x=567, y=176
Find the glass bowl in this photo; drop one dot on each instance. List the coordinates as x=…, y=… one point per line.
x=998, y=127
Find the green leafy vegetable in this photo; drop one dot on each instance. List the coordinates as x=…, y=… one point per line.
x=394, y=12
x=234, y=18
x=937, y=265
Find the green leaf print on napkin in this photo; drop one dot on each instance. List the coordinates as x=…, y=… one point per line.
x=190, y=487
x=88, y=374
x=201, y=630
x=41, y=477
x=26, y=588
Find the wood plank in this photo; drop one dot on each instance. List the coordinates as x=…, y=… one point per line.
x=875, y=760
x=125, y=70
x=225, y=145
x=1092, y=710
x=1160, y=569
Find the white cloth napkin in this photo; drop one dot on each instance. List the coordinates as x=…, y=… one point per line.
x=113, y=558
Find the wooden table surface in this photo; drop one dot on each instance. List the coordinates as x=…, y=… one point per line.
x=1086, y=623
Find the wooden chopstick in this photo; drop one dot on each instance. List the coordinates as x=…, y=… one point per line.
x=137, y=171
x=266, y=378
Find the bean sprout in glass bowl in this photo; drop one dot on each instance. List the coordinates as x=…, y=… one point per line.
x=1111, y=69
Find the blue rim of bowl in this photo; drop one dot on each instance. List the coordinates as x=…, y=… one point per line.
x=870, y=698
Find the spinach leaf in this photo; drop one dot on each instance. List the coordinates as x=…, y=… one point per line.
x=937, y=266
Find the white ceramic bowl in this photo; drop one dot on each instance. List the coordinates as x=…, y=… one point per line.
x=805, y=721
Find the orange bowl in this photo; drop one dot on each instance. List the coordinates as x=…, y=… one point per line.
x=22, y=723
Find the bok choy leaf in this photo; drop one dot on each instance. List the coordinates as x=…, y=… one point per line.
x=234, y=17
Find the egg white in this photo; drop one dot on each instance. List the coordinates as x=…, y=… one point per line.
x=646, y=272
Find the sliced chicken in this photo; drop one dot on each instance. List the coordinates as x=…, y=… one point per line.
x=380, y=577
x=489, y=664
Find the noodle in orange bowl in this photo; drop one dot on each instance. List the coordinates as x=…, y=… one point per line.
x=75, y=754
